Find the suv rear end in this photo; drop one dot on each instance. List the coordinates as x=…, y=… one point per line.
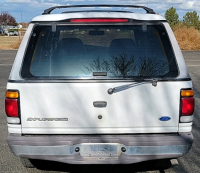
x=99, y=87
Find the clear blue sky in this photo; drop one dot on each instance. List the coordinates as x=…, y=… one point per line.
x=25, y=10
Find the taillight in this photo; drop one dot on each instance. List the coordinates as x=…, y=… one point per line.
x=187, y=106
x=12, y=107
x=98, y=20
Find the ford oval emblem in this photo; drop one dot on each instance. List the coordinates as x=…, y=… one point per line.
x=164, y=118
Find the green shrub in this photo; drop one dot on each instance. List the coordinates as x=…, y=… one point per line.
x=13, y=29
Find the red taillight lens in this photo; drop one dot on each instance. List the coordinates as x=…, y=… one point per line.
x=98, y=20
x=187, y=106
x=11, y=106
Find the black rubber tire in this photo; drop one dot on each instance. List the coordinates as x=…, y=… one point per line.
x=27, y=163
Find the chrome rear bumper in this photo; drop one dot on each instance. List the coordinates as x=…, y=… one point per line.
x=101, y=149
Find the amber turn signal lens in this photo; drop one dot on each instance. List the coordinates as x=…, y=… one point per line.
x=187, y=93
x=12, y=94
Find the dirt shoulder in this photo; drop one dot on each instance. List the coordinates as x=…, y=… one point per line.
x=10, y=42
x=188, y=38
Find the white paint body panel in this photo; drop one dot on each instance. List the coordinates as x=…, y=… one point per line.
x=15, y=128
x=136, y=110
x=64, y=16
x=185, y=127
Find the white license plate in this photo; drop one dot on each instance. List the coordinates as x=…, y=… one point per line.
x=100, y=150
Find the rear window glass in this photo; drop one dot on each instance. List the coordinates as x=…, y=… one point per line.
x=77, y=52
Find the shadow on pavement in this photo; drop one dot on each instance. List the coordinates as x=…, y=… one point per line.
x=137, y=167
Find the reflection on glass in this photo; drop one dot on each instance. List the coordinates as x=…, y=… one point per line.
x=78, y=51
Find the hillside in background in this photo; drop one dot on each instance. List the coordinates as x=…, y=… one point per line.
x=188, y=38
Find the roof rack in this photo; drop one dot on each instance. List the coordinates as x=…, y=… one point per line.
x=49, y=10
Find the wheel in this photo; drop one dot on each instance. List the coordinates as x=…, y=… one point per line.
x=27, y=163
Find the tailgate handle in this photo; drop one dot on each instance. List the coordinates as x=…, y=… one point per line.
x=100, y=104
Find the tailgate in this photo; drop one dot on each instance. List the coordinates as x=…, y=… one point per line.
x=67, y=108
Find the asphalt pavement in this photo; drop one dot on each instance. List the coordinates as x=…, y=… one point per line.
x=189, y=163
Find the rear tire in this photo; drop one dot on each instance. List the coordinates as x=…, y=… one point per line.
x=27, y=163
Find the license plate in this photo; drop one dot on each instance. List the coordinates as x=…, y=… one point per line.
x=100, y=150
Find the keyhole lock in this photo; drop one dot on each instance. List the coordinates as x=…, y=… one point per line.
x=100, y=117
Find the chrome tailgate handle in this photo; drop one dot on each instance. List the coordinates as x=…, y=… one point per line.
x=100, y=104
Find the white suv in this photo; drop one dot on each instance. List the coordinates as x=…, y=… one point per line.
x=99, y=87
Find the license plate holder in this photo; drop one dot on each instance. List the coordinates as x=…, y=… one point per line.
x=99, y=150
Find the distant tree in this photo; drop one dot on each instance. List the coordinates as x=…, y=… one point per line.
x=6, y=19
x=192, y=19
x=172, y=17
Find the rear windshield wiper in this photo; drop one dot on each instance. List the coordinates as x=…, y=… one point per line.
x=125, y=87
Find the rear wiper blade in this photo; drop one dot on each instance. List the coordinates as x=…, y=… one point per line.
x=125, y=87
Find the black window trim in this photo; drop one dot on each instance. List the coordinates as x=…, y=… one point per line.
x=91, y=81
x=131, y=22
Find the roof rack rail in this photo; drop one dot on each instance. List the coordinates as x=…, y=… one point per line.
x=49, y=10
